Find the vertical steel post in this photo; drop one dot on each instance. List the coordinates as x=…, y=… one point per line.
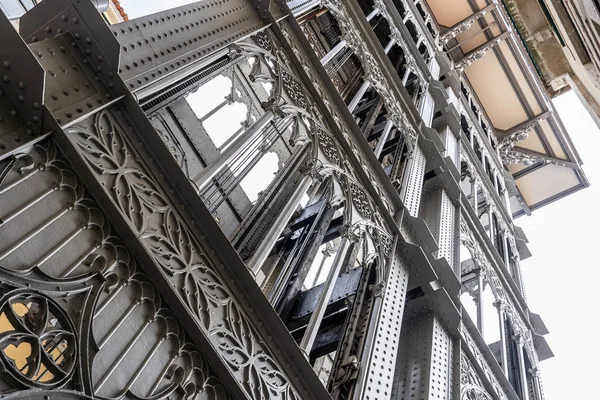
x=264, y=249
x=474, y=199
x=406, y=76
x=522, y=369
x=503, y=344
x=480, y=283
x=359, y=95
x=204, y=177
x=315, y=320
x=505, y=255
x=373, y=14
x=337, y=49
x=326, y=254
x=537, y=387
x=383, y=138
x=491, y=224
x=389, y=45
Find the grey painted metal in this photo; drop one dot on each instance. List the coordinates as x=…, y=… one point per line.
x=486, y=257
x=491, y=378
x=299, y=7
x=503, y=342
x=383, y=138
x=424, y=370
x=537, y=386
x=528, y=156
x=237, y=144
x=506, y=255
x=465, y=24
x=478, y=52
x=303, y=259
x=110, y=122
x=165, y=45
x=21, y=94
x=373, y=14
x=162, y=84
x=324, y=297
x=413, y=185
x=483, y=30
x=192, y=147
x=171, y=264
x=264, y=249
x=438, y=211
x=480, y=303
x=485, y=185
x=346, y=286
x=522, y=370
x=101, y=5
x=383, y=343
x=319, y=84
x=265, y=212
x=404, y=37
x=89, y=263
x=326, y=254
x=389, y=46
x=333, y=53
x=359, y=95
x=490, y=226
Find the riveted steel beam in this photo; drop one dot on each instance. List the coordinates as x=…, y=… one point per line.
x=116, y=131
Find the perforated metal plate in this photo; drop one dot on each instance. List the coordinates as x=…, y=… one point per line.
x=441, y=363
x=424, y=369
x=415, y=182
x=380, y=376
x=447, y=227
x=440, y=215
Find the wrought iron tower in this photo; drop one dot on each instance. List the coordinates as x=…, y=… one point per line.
x=376, y=257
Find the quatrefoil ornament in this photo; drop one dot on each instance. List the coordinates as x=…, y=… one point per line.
x=38, y=345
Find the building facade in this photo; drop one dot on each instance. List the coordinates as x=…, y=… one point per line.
x=349, y=236
x=564, y=42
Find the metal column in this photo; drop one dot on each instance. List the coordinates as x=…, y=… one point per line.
x=264, y=249
x=359, y=95
x=480, y=286
x=522, y=369
x=317, y=316
x=503, y=343
x=237, y=144
x=337, y=49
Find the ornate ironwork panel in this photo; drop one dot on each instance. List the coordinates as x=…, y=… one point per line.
x=77, y=310
x=182, y=259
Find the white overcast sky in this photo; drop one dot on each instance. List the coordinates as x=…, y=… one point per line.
x=561, y=276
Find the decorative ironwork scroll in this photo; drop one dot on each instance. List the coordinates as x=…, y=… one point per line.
x=78, y=317
x=184, y=261
x=471, y=387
